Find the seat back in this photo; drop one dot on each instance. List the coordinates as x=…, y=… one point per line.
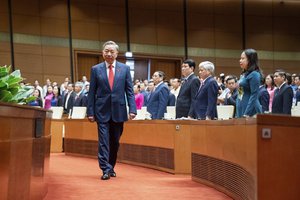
x=78, y=112
x=225, y=111
x=57, y=112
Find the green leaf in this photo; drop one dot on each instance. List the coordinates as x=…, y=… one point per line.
x=4, y=71
x=5, y=96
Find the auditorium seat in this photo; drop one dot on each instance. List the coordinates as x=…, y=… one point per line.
x=225, y=111
x=78, y=112
x=57, y=112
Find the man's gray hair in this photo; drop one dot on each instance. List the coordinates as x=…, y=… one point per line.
x=110, y=43
x=79, y=84
x=209, y=66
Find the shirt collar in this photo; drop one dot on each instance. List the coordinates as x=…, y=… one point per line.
x=113, y=64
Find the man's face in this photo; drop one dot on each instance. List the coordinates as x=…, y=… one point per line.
x=278, y=79
x=297, y=81
x=186, y=70
x=110, y=53
x=156, y=78
x=151, y=86
x=231, y=84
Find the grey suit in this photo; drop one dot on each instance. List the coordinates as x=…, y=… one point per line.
x=186, y=94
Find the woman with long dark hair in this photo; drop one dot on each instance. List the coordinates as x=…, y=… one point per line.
x=247, y=103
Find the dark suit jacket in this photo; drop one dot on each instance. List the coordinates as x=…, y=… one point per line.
x=158, y=102
x=187, y=92
x=172, y=99
x=205, y=101
x=70, y=102
x=80, y=100
x=283, y=100
x=264, y=98
x=105, y=103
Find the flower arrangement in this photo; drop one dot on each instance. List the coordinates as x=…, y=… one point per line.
x=10, y=88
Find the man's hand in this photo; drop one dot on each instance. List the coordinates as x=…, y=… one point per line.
x=91, y=118
x=131, y=115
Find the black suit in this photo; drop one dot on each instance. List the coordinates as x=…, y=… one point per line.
x=70, y=102
x=283, y=100
x=80, y=100
x=188, y=91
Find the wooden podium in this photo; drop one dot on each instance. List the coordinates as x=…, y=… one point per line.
x=25, y=150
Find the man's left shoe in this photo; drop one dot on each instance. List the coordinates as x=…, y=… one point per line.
x=113, y=174
x=105, y=176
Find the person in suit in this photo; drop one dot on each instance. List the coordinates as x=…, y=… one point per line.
x=263, y=97
x=231, y=95
x=110, y=84
x=80, y=96
x=149, y=93
x=188, y=90
x=247, y=103
x=171, y=100
x=204, y=105
x=158, y=101
x=283, y=97
x=69, y=99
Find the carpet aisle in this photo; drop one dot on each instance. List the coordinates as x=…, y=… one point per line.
x=74, y=177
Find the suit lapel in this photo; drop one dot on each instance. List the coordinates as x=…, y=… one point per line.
x=117, y=74
x=103, y=74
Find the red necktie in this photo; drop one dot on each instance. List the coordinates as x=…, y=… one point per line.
x=111, y=76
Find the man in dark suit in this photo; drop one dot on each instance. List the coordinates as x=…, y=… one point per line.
x=204, y=105
x=230, y=97
x=80, y=98
x=149, y=93
x=157, y=105
x=69, y=99
x=283, y=97
x=188, y=90
x=110, y=84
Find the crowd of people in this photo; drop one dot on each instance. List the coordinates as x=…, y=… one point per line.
x=194, y=95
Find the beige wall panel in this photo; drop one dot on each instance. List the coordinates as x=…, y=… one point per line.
x=226, y=40
x=199, y=21
x=259, y=8
x=176, y=5
x=26, y=24
x=287, y=25
x=171, y=37
x=55, y=51
x=202, y=39
x=5, y=46
x=28, y=7
x=4, y=25
x=58, y=78
x=5, y=58
x=169, y=19
x=143, y=35
x=203, y=7
x=54, y=27
x=56, y=65
x=259, y=41
x=113, y=15
x=287, y=8
x=28, y=49
x=142, y=17
x=228, y=23
x=141, y=5
x=228, y=7
x=259, y=24
x=288, y=66
x=54, y=9
x=114, y=32
x=267, y=66
x=85, y=30
x=84, y=11
x=31, y=77
x=29, y=63
x=286, y=42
